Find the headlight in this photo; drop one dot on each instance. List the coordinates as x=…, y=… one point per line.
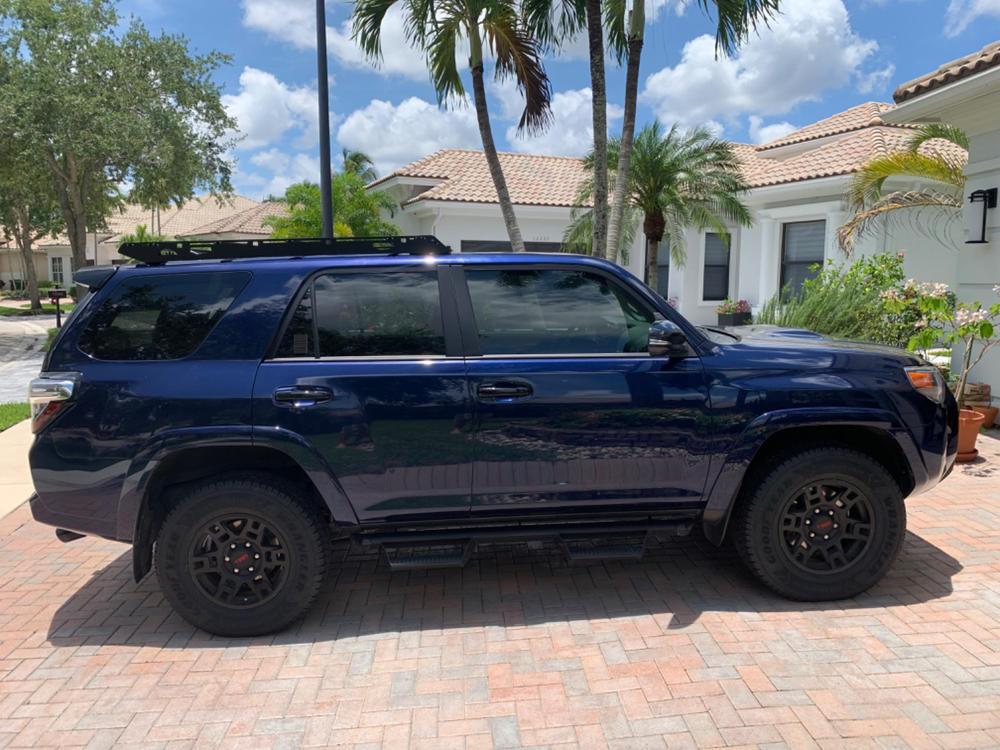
x=929, y=381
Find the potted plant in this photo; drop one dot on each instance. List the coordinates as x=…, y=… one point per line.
x=733, y=312
x=972, y=326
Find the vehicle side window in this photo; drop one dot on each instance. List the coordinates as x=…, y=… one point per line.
x=557, y=311
x=367, y=314
x=160, y=317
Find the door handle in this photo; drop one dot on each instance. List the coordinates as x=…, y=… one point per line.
x=503, y=391
x=300, y=396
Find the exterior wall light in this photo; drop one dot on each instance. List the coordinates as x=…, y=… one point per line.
x=988, y=197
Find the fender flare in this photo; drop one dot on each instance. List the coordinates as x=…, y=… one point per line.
x=722, y=495
x=135, y=526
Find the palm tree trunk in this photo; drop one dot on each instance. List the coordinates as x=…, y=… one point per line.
x=489, y=147
x=637, y=23
x=599, y=102
x=652, y=263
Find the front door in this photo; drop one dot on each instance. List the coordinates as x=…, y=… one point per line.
x=363, y=374
x=571, y=410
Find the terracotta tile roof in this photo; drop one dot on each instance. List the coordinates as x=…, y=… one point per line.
x=250, y=221
x=174, y=222
x=986, y=58
x=532, y=180
x=855, y=118
x=554, y=180
x=840, y=157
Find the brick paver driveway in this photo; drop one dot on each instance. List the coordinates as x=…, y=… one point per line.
x=682, y=649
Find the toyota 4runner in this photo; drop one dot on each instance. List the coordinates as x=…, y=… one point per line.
x=228, y=408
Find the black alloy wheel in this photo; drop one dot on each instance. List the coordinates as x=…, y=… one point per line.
x=242, y=555
x=821, y=524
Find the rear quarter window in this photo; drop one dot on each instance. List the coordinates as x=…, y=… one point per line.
x=160, y=317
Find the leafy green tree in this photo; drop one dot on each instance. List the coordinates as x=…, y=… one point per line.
x=678, y=180
x=935, y=155
x=437, y=28
x=100, y=106
x=28, y=212
x=360, y=164
x=356, y=210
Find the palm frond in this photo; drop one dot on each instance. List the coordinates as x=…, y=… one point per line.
x=366, y=26
x=933, y=130
x=737, y=19
x=445, y=76
x=519, y=56
x=865, y=188
x=553, y=23
x=865, y=221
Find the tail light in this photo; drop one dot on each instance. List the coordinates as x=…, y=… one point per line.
x=50, y=395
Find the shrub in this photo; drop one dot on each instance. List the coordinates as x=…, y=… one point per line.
x=848, y=302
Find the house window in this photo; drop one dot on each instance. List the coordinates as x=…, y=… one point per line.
x=802, y=245
x=502, y=246
x=716, y=277
x=57, y=270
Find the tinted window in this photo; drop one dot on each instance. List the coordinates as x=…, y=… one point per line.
x=160, y=317
x=528, y=311
x=716, y=268
x=801, y=248
x=367, y=314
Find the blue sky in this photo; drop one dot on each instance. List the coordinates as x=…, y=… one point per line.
x=818, y=58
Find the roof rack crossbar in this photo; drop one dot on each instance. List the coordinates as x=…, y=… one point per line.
x=155, y=253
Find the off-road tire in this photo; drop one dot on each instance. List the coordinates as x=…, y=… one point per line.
x=769, y=519
x=198, y=521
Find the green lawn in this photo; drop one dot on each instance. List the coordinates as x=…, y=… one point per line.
x=53, y=332
x=11, y=414
x=47, y=309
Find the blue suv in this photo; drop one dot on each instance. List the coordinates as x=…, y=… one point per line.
x=229, y=408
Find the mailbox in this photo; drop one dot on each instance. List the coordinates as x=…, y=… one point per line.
x=57, y=294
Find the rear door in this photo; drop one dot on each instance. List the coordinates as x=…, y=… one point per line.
x=572, y=413
x=368, y=372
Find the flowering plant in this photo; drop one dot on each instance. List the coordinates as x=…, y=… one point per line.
x=973, y=325
x=728, y=306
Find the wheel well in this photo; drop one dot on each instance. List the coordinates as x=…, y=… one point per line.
x=185, y=467
x=876, y=443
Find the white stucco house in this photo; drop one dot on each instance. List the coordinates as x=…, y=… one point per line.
x=798, y=182
x=966, y=93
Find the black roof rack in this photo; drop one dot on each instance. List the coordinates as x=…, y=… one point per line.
x=155, y=253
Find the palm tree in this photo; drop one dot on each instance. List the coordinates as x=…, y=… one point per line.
x=936, y=154
x=437, y=27
x=359, y=163
x=736, y=19
x=678, y=180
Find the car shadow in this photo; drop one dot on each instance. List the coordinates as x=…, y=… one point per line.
x=506, y=586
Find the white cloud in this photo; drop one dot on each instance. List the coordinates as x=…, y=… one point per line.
x=294, y=21
x=876, y=80
x=394, y=135
x=809, y=48
x=761, y=133
x=266, y=108
x=398, y=56
x=961, y=13
x=286, y=169
x=572, y=130
x=288, y=20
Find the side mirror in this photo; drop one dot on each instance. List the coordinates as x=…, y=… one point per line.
x=666, y=339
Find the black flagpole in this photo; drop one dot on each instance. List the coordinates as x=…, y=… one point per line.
x=324, y=120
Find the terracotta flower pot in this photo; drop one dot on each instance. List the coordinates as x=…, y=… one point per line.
x=969, y=423
x=989, y=414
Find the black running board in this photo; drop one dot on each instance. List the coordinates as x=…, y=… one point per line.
x=408, y=549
